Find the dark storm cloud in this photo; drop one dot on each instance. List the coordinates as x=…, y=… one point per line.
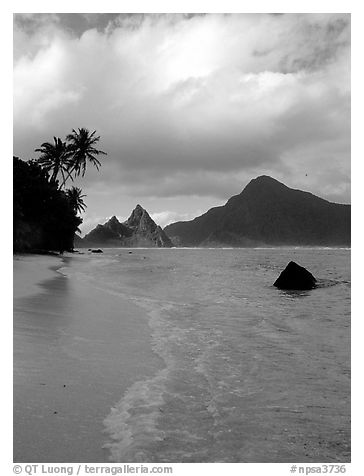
x=191, y=104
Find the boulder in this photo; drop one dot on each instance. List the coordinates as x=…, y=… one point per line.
x=295, y=277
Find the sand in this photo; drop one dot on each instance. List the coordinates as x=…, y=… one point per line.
x=76, y=351
x=30, y=271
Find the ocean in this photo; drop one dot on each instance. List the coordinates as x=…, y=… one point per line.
x=247, y=373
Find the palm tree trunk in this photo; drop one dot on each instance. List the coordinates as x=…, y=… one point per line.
x=68, y=176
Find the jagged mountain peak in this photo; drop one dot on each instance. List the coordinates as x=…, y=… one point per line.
x=139, y=216
x=112, y=220
x=138, y=230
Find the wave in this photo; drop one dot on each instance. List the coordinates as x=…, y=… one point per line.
x=214, y=329
x=132, y=424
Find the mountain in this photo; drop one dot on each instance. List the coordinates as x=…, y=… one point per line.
x=77, y=241
x=139, y=230
x=267, y=212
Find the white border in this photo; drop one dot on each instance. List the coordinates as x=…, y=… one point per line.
x=193, y=6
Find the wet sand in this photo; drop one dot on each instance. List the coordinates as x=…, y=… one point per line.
x=30, y=271
x=77, y=349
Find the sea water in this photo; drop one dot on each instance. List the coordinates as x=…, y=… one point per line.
x=249, y=373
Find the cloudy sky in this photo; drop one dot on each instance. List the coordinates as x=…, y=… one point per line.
x=189, y=108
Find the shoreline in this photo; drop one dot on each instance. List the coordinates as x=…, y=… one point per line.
x=30, y=270
x=77, y=350
x=77, y=387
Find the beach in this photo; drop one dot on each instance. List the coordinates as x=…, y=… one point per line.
x=181, y=355
x=76, y=351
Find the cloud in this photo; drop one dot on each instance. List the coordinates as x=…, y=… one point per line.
x=166, y=217
x=91, y=221
x=191, y=105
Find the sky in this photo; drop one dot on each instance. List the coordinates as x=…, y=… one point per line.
x=189, y=108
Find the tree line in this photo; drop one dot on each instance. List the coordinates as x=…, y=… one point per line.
x=46, y=214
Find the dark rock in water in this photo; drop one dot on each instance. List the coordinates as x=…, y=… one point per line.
x=97, y=251
x=295, y=277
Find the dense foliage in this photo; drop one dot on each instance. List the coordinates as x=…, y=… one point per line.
x=45, y=215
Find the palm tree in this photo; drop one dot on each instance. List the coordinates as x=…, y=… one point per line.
x=55, y=159
x=76, y=199
x=82, y=144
